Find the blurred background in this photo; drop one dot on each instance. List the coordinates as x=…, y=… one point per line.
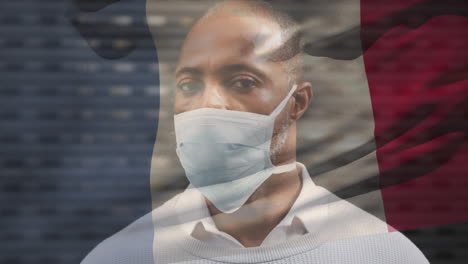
x=80, y=108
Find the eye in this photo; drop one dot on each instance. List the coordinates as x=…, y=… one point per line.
x=190, y=87
x=244, y=84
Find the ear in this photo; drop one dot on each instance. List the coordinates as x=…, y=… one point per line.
x=302, y=97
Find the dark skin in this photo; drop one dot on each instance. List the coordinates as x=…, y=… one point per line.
x=221, y=66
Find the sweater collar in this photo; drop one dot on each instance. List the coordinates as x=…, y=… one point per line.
x=308, y=213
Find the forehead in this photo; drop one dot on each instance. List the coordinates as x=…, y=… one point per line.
x=230, y=35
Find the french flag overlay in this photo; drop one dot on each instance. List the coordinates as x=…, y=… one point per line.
x=417, y=69
x=416, y=66
x=413, y=58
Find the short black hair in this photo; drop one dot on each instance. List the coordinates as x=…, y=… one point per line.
x=290, y=52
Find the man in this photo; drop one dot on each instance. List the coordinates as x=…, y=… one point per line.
x=238, y=93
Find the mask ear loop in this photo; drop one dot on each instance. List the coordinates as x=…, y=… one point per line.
x=283, y=103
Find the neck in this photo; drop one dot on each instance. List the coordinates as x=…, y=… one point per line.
x=264, y=210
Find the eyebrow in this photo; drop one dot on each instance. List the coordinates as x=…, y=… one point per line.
x=230, y=68
x=188, y=70
x=226, y=69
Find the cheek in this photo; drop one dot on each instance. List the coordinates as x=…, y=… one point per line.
x=266, y=96
x=263, y=102
x=181, y=104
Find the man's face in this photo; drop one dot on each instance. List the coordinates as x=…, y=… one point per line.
x=222, y=65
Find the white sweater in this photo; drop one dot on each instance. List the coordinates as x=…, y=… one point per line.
x=315, y=210
x=135, y=244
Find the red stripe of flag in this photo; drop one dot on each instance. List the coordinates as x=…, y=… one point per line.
x=416, y=61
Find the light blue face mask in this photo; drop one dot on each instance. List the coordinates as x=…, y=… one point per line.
x=226, y=154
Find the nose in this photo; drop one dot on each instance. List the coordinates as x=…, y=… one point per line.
x=214, y=97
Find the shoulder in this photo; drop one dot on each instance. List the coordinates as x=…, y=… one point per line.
x=348, y=220
x=362, y=236
x=133, y=244
x=385, y=248
x=391, y=247
x=405, y=250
